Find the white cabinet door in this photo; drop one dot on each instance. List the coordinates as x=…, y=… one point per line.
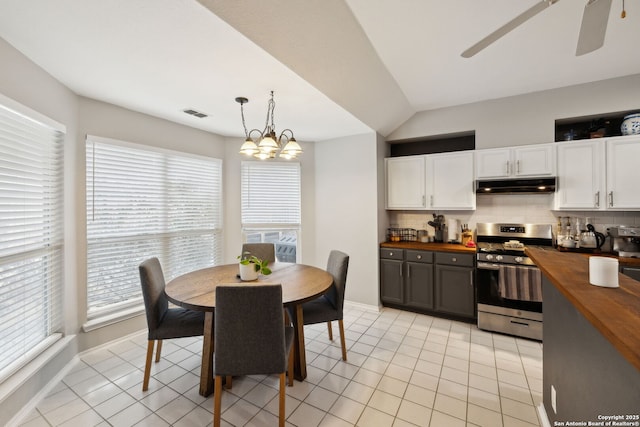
x=450, y=182
x=623, y=173
x=405, y=182
x=525, y=161
x=493, y=163
x=581, y=176
x=534, y=160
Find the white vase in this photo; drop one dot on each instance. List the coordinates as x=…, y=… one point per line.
x=631, y=124
x=248, y=272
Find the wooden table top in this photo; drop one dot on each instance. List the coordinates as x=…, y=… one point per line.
x=437, y=247
x=197, y=290
x=615, y=312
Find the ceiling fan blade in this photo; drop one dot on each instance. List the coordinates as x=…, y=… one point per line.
x=514, y=23
x=594, y=26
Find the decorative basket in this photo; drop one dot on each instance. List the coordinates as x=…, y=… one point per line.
x=401, y=235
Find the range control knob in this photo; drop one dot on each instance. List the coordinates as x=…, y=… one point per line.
x=489, y=257
x=518, y=259
x=499, y=257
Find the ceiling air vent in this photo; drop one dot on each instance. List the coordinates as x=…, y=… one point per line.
x=198, y=114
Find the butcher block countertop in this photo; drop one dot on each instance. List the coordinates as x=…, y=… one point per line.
x=614, y=312
x=438, y=247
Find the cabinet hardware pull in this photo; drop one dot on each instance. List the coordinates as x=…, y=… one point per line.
x=507, y=167
x=431, y=200
x=401, y=274
x=517, y=166
x=611, y=199
x=454, y=259
x=408, y=271
x=390, y=253
x=471, y=277
x=419, y=256
x=424, y=200
x=597, y=199
x=515, y=322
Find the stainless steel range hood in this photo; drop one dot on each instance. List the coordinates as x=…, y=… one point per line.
x=520, y=185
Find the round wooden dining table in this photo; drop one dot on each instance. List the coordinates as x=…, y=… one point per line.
x=197, y=291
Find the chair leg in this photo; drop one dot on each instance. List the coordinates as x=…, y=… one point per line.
x=282, y=396
x=217, y=400
x=228, y=382
x=290, y=368
x=330, y=331
x=147, y=365
x=158, y=350
x=342, y=341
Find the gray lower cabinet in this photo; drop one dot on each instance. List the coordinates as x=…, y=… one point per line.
x=428, y=281
x=632, y=272
x=454, y=282
x=419, y=279
x=391, y=280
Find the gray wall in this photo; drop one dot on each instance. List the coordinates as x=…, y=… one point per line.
x=525, y=119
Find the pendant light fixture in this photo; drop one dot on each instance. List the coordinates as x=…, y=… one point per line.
x=264, y=144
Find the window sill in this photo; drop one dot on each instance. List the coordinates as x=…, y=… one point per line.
x=112, y=318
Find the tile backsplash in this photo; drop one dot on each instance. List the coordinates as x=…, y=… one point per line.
x=513, y=208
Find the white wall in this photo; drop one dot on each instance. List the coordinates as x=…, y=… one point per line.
x=109, y=121
x=525, y=119
x=232, y=208
x=347, y=206
x=521, y=120
x=28, y=84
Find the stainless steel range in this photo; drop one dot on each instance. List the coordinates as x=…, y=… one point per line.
x=509, y=284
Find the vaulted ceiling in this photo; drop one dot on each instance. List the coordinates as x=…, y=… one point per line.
x=338, y=67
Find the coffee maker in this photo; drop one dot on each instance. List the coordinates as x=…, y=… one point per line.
x=439, y=228
x=625, y=241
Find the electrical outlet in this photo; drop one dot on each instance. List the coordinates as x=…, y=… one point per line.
x=553, y=400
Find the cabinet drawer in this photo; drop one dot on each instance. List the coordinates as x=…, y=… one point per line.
x=388, y=253
x=452, y=258
x=419, y=256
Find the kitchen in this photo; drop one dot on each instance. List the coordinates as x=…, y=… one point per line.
x=511, y=247
x=329, y=180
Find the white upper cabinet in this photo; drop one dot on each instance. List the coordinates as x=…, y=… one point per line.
x=450, y=181
x=524, y=161
x=581, y=177
x=623, y=173
x=405, y=178
x=599, y=174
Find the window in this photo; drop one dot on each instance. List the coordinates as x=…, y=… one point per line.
x=144, y=202
x=31, y=234
x=271, y=206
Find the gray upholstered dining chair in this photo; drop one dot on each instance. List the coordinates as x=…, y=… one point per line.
x=328, y=307
x=163, y=322
x=250, y=337
x=264, y=251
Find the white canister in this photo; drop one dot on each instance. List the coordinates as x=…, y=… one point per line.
x=603, y=271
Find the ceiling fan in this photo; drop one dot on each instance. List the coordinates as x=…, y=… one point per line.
x=592, y=30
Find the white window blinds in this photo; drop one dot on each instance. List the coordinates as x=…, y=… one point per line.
x=31, y=235
x=270, y=194
x=144, y=202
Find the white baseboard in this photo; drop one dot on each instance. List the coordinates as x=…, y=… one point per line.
x=44, y=391
x=542, y=414
x=361, y=306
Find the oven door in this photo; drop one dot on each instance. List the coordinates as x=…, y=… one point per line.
x=487, y=284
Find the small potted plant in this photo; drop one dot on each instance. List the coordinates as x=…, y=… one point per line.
x=250, y=266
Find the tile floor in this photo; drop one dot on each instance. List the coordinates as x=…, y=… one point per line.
x=404, y=369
